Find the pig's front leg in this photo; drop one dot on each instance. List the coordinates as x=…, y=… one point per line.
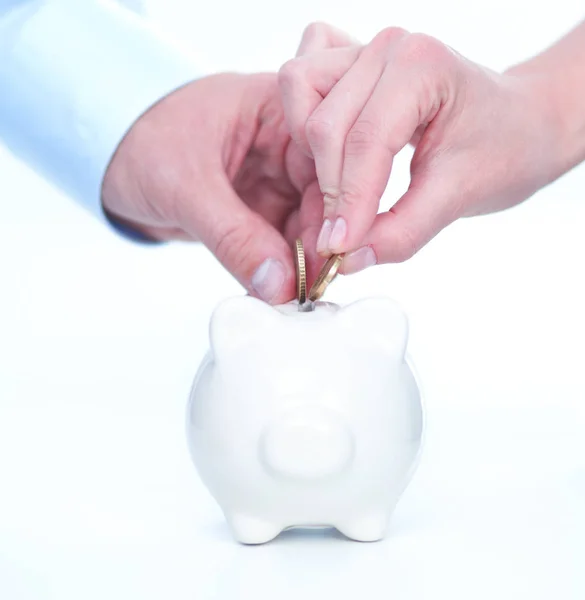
x=366, y=528
x=252, y=530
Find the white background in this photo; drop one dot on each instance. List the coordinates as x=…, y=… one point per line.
x=100, y=338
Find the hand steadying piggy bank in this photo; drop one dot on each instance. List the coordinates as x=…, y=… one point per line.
x=306, y=418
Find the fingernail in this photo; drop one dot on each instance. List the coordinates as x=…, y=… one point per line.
x=323, y=239
x=268, y=279
x=359, y=260
x=338, y=234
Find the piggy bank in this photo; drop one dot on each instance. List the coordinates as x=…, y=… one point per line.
x=306, y=418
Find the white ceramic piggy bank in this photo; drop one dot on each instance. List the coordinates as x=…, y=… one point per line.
x=306, y=418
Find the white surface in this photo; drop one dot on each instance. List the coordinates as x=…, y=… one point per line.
x=100, y=339
x=281, y=439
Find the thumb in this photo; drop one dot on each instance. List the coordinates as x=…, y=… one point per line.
x=251, y=249
x=429, y=205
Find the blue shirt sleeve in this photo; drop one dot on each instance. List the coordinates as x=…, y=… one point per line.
x=74, y=77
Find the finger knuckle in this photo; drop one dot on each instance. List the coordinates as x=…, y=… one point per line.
x=357, y=191
x=315, y=30
x=330, y=198
x=318, y=130
x=362, y=137
x=388, y=36
x=233, y=246
x=406, y=244
x=352, y=196
x=422, y=48
x=291, y=73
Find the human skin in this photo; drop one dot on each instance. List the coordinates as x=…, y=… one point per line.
x=214, y=160
x=484, y=141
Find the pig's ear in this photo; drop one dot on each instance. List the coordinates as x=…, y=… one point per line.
x=379, y=319
x=238, y=320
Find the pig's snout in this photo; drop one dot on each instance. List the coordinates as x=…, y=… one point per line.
x=307, y=443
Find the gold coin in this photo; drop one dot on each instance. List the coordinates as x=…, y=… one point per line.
x=301, y=272
x=326, y=276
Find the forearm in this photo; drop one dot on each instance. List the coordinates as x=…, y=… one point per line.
x=558, y=77
x=74, y=77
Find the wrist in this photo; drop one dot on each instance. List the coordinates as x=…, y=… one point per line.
x=118, y=197
x=561, y=110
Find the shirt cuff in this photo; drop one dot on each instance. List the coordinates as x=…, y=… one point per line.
x=78, y=74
